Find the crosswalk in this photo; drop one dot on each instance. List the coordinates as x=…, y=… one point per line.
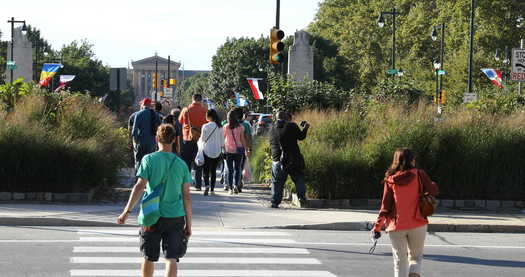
x=211, y=253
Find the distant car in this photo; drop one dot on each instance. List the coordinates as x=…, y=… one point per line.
x=263, y=124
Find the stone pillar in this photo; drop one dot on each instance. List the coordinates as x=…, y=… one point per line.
x=23, y=56
x=301, y=58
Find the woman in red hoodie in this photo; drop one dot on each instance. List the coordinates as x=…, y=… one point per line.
x=400, y=212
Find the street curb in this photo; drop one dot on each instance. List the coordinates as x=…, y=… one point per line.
x=51, y=221
x=366, y=226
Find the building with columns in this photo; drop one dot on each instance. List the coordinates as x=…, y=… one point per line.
x=143, y=72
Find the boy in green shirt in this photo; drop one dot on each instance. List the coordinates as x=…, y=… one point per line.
x=171, y=225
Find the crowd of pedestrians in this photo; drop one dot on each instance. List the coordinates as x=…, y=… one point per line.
x=195, y=138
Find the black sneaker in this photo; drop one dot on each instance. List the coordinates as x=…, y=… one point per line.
x=226, y=188
x=206, y=192
x=274, y=206
x=198, y=189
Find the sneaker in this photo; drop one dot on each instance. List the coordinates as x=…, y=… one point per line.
x=206, y=192
x=274, y=206
x=303, y=203
x=231, y=192
x=198, y=188
x=226, y=188
x=236, y=190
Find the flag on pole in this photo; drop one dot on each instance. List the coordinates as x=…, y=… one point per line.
x=240, y=100
x=64, y=79
x=255, y=85
x=494, y=75
x=48, y=72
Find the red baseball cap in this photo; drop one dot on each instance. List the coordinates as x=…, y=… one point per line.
x=145, y=101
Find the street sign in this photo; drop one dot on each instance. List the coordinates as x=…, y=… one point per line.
x=392, y=71
x=11, y=65
x=518, y=65
x=168, y=92
x=470, y=97
x=441, y=72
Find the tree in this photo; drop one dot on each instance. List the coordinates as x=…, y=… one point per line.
x=91, y=75
x=364, y=49
x=196, y=84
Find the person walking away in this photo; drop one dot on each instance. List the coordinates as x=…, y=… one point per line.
x=158, y=110
x=176, y=113
x=242, y=113
x=235, y=148
x=400, y=213
x=286, y=157
x=170, y=119
x=212, y=142
x=171, y=227
x=192, y=118
x=145, y=125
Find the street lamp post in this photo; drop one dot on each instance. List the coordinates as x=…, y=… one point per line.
x=471, y=44
x=24, y=31
x=156, y=76
x=439, y=65
x=381, y=24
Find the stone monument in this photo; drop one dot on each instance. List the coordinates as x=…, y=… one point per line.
x=23, y=56
x=301, y=58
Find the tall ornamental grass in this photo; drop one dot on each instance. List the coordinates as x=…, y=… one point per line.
x=58, y=144
x=471, y=155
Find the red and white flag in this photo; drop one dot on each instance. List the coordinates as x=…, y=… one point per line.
x=64, y=79
x=256, y=88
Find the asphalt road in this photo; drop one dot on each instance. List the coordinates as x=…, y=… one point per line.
x=68, y=251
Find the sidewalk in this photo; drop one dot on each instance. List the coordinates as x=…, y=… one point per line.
x=251, y=210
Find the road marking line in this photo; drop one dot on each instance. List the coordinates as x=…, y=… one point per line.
x=192, y=240
x=195, y=233
x=198, y=260
x=209, y=273
x=246, y=250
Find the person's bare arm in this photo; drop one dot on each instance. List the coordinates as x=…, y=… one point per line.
x=187, y=207
x=136, y=193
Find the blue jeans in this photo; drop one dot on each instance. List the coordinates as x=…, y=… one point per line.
x=279, y=176
x=234, y=169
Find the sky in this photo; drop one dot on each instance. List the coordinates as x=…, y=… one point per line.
x=189, y=31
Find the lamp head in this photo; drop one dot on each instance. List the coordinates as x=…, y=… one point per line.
x=437, y=65
x=24, y=29
x=400, y=73
x=496, y=55
x=434, y=35
x=381, y=20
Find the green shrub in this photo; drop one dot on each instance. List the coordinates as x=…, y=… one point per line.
x=471, y=155
x=59, y=144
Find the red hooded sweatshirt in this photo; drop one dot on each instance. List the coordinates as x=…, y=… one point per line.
x=400, y=204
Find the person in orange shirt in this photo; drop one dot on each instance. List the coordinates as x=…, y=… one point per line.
x=400, y=213
x=193, y=116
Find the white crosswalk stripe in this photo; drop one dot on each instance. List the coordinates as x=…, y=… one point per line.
x=115, y=252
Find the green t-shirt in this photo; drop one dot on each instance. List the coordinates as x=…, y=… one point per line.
x=247, y=128
x=153, y=168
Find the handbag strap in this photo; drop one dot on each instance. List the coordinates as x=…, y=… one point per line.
x=165, y=177
x=421, y=188
x=233, y=135
x=188, y=114
x=206, y=141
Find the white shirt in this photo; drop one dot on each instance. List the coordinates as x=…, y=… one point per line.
x=211, y=141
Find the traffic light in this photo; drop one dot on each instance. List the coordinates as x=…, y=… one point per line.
x=443, y=97
x=276, y=46
x=164, y=83
x=173, y=82
x=154, y=80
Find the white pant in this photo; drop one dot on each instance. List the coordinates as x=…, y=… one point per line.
x=407, y=250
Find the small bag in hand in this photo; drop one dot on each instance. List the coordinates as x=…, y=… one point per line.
x=427, y=202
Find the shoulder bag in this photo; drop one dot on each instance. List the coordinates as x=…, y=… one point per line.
x=150, y=204
x=199, y=158
x=427, y=202
x=195, y=133
x=239, y=149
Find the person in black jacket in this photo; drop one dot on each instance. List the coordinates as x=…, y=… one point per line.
x=286, y=156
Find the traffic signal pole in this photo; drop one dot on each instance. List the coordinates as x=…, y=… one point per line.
x=156, y=76
x=277, y=16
